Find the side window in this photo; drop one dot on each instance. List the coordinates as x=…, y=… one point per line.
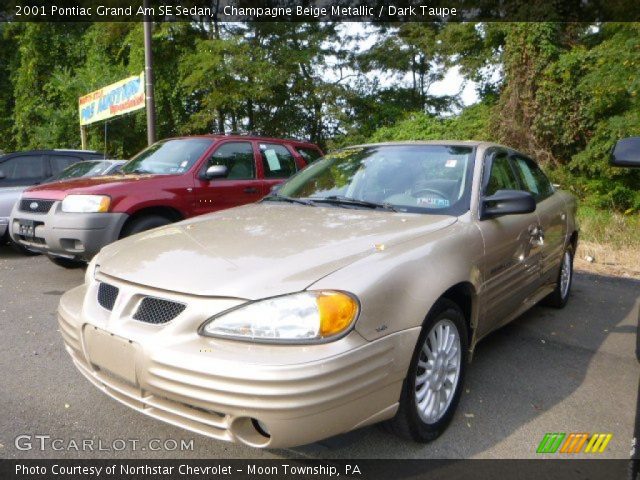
x=534, y=181
x=25, y=167
x=60, y=162
x=238, y=158
x=308, y=154
x=501, y=176
x=277, y=161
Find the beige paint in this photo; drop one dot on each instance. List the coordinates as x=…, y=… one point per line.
x=397, y=264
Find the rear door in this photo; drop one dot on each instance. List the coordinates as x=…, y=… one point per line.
x=240, y=186
x=551, y=211
x=21, y=170
x=511, y=264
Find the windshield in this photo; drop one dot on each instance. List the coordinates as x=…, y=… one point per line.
x=83, y=169
x=406, y=178
x=168, y=157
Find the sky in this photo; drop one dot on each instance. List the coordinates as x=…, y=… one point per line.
x=452, y=83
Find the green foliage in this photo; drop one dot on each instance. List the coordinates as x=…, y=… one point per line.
x=561, y=92
x=471, y=124
x=613, y=229
x=586, y=100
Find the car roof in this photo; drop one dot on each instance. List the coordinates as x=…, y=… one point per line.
x=52, y=151
x=454, y=143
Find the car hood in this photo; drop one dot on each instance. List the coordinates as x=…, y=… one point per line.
x=259, y=250
x=57, y=190
x=8, y=197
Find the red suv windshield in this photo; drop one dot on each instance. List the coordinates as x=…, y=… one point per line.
x=168, y=157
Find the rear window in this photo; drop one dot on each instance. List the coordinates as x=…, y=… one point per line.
x=308, y=154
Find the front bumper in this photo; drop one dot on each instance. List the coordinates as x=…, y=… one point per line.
x=219, y=388
x=70, y=235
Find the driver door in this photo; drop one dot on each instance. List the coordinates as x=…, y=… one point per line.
x=510, y=267
x=240, y=186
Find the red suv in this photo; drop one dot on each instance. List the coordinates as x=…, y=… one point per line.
x=169, y=181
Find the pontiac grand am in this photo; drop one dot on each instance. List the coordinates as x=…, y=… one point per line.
x=354, y=294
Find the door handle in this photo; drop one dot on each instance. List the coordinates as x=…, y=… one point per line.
x=250, y=190
x=537, y=233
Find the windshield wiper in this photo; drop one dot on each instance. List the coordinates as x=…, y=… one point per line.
x=282, y=198
x=342, y=200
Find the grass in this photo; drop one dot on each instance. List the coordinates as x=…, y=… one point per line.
x=611, y=240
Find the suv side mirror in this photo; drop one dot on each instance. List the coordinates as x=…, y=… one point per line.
x=2, y=175
x=626, y=153
x=215, y=171
x=507, y=202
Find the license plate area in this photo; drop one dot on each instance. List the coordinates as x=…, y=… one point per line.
x=109, y=352
x=26, y=228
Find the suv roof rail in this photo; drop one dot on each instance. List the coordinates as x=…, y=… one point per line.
x=258, y=134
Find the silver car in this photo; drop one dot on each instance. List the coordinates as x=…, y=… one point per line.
x=10, y=195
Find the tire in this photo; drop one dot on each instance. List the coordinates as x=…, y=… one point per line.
x=560, y=295
x=141, y=224
x=20, y=249
x=411, y=421
x=69, y=263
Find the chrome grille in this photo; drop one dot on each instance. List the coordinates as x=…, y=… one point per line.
x=157, y=311
x=36, y=205
x=107, y=295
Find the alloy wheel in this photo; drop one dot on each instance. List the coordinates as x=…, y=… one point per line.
x=438, y=371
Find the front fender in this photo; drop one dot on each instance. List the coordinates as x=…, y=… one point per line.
x=398, y=286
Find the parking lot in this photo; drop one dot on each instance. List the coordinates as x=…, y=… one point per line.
x=572, y=370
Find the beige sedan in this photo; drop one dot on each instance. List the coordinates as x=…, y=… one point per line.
x=353, y=295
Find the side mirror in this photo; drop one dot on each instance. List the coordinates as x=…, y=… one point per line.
x=626, y=153
x=216, y=171
x=2, y=175
x=507, y=202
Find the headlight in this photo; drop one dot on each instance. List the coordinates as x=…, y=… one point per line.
x=86, y=203
x=297, y=318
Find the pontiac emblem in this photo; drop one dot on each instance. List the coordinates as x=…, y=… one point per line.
x=33, y=205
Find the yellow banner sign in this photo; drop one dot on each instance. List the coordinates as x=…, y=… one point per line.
x=116, y=99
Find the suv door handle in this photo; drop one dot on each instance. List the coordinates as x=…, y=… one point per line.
x=250, y=190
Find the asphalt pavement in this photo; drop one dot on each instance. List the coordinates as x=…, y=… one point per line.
x=571, y=370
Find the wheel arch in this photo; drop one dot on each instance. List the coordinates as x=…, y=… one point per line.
x=464, y=295
x=170, y=213
x=573, y=241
